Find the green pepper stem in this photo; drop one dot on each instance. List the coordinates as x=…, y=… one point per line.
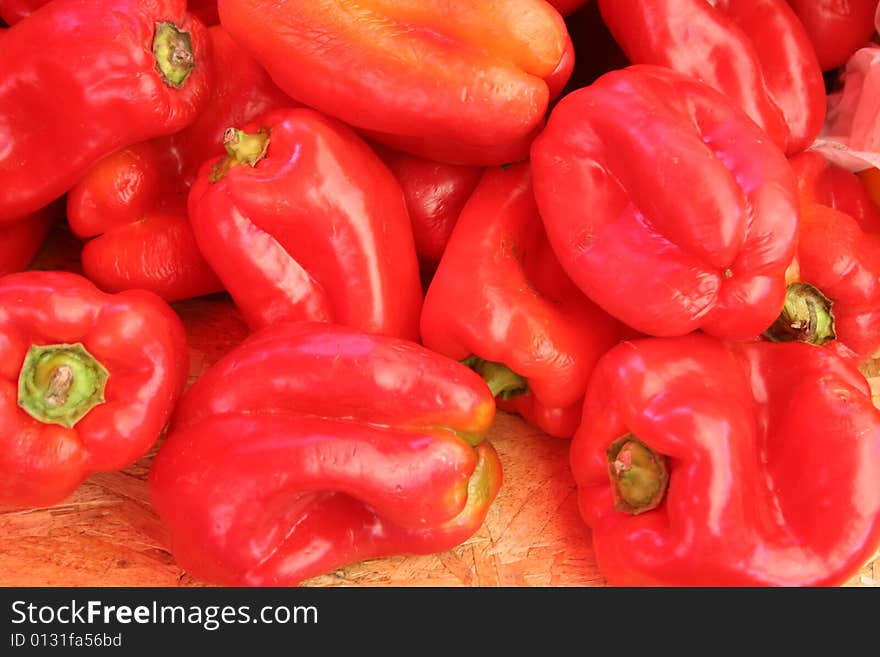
x=173, y=52
x=806, y=317
x=60, y=383
x=639, y=475
x=242, y=149
x=502, y=381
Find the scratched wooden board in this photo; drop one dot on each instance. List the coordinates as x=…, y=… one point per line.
x=107, y=534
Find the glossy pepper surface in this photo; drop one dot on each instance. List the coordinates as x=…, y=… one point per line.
x=465, y=81
x=501, y=303
x=756, y=52
x=80, y=79
x=303, y=221
x=821, y=181
x=566, y=7
x=267, y=479
x=13, y=11
x=20, y=241
x=133, y=202
x=833, y=297
x=87, y=381
x=871, y=179
x=701, y=463
x=666, y=205
x=435, y=194
x=836, y=29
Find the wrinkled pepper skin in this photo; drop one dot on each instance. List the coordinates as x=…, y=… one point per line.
x=435, y=194
x=465, y=82
x=836, y=29
x=820, y=181
x=500, y=295
x=134, y=336
x=20, y=241
x=666, y=205
x=64, y=107
x=316, y=230
x=133, y=202
x=841, y=261
x=772, y=453
x=755, y=52
x=266, y=479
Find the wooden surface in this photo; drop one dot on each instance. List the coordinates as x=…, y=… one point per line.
x=106, y=533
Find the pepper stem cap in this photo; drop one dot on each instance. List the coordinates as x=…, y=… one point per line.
x=242, y=149
x=502, y=380
x=60, y=383
x=173, y=52
x=639, y=476
x=806, y=317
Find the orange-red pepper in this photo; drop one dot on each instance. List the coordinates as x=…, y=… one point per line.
x=465, y=81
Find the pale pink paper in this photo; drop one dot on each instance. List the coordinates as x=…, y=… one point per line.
x=851, y=136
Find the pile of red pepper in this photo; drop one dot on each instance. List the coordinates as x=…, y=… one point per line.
x=613, y=224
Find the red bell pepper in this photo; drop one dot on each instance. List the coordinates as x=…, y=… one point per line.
x=833, y=295
x=87, y=381
x=820, y=181
x=312, y=446
x=84, y=78
x=701, y=463
x=466, y=82
x=303, y=221
x=836, y=29
x=871, y=180
x=435, y=194
x=20, y=241
x=566, y=7
x=133, y=203
x=666, y=205
x=501, y=303
x=13, y=11
x=756, y=52
x=836, y=296
x=205, y=10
